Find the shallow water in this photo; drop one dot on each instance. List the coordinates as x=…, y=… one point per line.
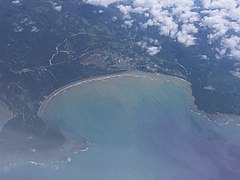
x=138, y=129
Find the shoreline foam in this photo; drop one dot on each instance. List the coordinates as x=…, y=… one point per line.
x=223, y=118
x=138, y=74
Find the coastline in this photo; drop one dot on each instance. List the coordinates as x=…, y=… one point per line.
x=53, y=157
x=138, y=74
x=222, y=119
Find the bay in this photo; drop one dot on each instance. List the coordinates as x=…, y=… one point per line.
x=140, y=127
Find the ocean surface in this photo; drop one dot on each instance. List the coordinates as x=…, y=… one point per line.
x=139, y=129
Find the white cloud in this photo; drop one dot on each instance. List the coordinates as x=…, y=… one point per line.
x=34, y=29
x=58, y=8
x=220, y=4
x=185, y=35
x=231, y=46
x=236, y=73
x=204, y=57
x=167, y=16
x=16, y=2
x=128, y=23
x=222, y=17
x=142, y=44
x=152, y=51
x=180, y=20
x=101, y=2
x=125, y=10
x=184, y=38
x=114, y=18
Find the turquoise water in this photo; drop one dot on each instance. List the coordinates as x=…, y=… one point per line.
x=139, y=129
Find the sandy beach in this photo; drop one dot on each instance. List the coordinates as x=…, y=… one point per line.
x=138, y=74
x=219, y=118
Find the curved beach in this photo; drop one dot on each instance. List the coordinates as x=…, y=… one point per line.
x=139, y=74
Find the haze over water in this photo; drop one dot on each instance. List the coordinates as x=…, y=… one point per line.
x=139, y=129
x=5, y=115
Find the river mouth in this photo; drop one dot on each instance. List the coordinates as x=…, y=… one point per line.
x=140, y=126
